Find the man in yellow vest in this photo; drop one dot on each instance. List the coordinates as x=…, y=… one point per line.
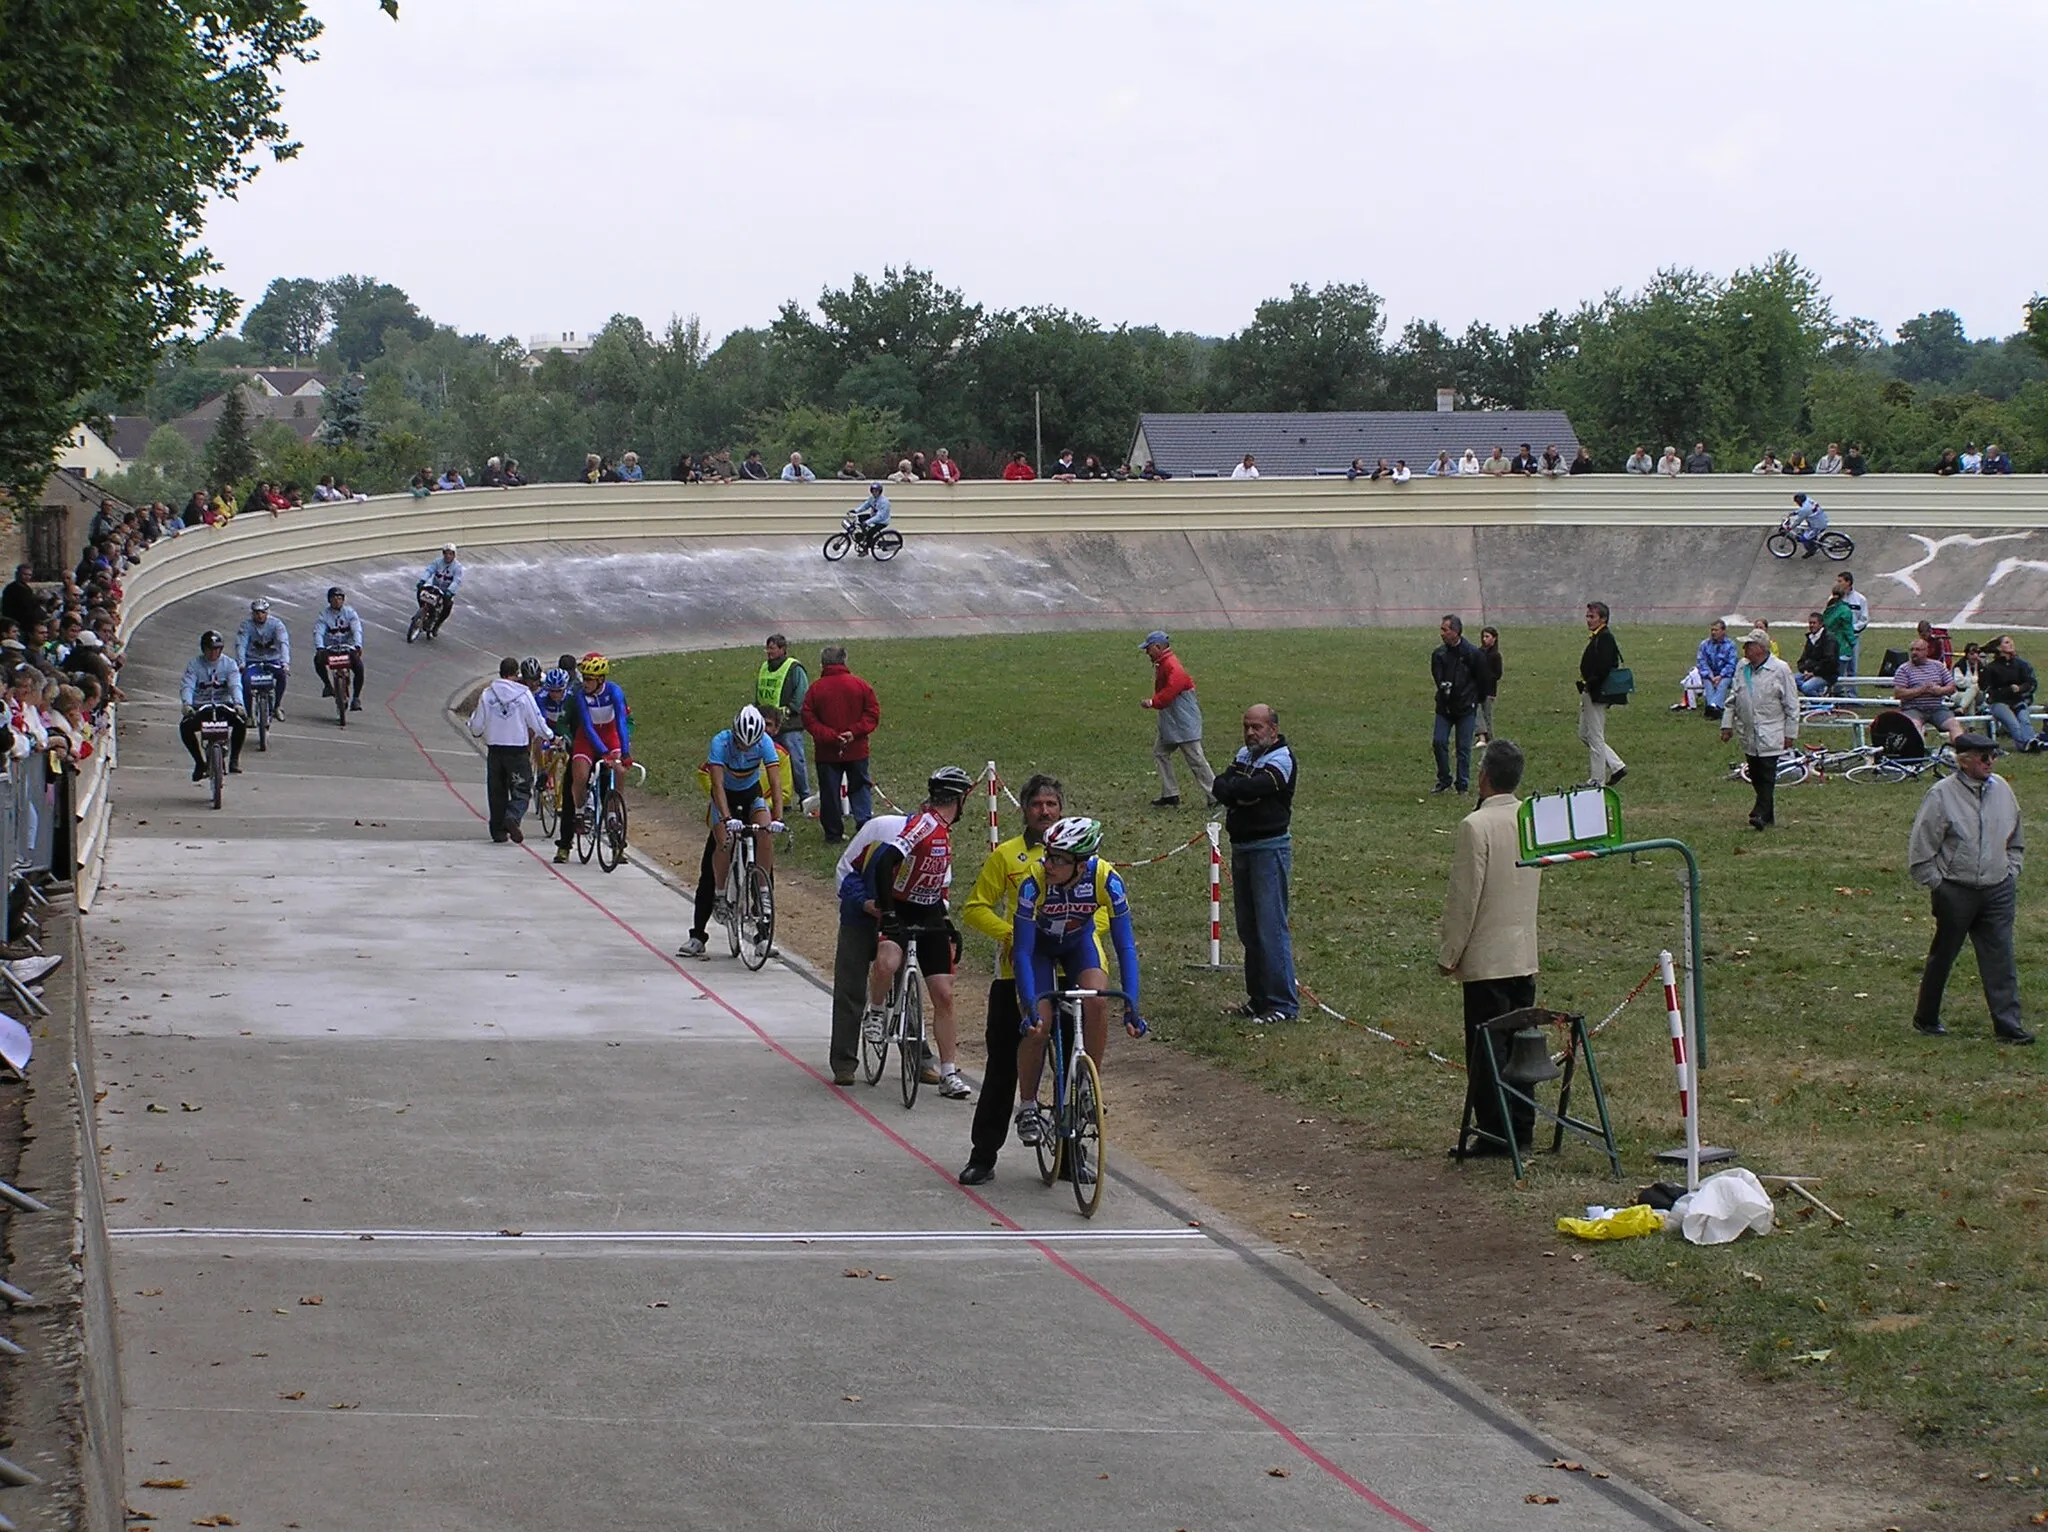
x=781, y=685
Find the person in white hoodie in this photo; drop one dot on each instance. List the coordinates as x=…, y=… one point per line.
x=1469, y=463
x=1763, y=708
x=508, y=721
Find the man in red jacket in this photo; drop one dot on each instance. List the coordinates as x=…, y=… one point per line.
x=1180, y=721
x=840, y=712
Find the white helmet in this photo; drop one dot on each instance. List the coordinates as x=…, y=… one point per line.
x=449, y=549
x=748, y=726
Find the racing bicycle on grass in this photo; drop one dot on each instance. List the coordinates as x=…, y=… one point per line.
x=746, y=905
x=1070, y=1137
x=601, y=817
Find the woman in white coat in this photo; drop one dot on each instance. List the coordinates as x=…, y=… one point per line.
x=1763, y=713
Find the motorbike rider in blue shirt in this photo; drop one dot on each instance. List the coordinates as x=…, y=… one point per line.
x=338, y=627
x=212, y=682
x=445, y=575
x=872, y=514
x=263, y=638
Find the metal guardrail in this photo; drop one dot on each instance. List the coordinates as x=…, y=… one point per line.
x=92, y=809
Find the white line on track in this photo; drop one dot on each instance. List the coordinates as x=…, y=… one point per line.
x=677, y=1236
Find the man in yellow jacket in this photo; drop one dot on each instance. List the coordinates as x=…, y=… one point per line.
x=991, y=910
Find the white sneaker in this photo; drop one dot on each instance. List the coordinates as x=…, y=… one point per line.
x=954, y=1087
x=1030, y=1126
x=29, y=970
x=871, y=1024
x=691, y=947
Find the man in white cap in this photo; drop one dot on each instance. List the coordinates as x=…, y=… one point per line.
x=1763, y=709
x=1180, y=721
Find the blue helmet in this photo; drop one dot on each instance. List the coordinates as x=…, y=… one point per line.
x=555, y=679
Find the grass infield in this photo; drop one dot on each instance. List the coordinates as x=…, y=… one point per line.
x=1929, y=1308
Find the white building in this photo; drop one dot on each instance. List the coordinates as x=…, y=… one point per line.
x=568, y=342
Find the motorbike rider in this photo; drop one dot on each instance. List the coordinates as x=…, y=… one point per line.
x=338, y=627
x=445, y=575
x=263, y=638
x=211, y=682
x=871, y=515
x=1806, y=523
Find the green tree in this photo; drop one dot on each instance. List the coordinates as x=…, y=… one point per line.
x=364, y=312
x=119, y=119
x=907, y=317
x=231, y=455
x=1932, y=348
x=1319, y=350
x=287, y=324
x=827, y=438
x=345, y=415
x=2037, y=323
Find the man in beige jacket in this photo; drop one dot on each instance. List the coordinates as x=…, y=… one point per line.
x=1489, y=934
x=1763, y=711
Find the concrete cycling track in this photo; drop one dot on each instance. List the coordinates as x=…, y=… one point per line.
x=446, y=1198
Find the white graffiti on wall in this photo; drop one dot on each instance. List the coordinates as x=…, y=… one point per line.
x=2005, y=567
x=1934, y=546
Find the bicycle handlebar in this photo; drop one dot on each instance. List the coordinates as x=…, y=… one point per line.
x=1088, y=994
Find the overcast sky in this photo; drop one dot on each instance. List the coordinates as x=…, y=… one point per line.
x=528, y=165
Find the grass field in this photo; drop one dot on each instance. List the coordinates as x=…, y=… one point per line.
x=1929, y=1308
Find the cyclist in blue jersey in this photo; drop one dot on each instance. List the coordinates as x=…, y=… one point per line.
x=1056, y=927
x=745, y=794
x=553, y=700
x=599, y=729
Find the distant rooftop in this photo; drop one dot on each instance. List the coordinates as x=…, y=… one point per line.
x=1303, y=445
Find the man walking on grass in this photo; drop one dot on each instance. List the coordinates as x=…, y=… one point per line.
x=1180, y=721
x=1966, y=849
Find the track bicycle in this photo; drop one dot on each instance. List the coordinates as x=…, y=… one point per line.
x=1785, y=542
x=903, y=1022
x=1884, y=767
x=601, y=817
x=216, y=730
x=746, y=906
x=340, y=667
x=883, y=542
x=261, y=676
x=1070, y=1136
x=554, y=757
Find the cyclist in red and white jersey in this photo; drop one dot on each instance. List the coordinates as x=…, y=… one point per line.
x=906, y=879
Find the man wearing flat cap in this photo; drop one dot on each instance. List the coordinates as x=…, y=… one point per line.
x=1966, y=849
x=1763, y=711
x=1180, y=721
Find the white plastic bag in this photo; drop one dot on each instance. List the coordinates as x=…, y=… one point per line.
x=1726, y=1206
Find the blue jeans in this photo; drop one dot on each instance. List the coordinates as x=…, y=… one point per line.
x=1812, y=686
x=1440, y=742
x=2015, y=722
x=1258, y=888
x=858, y=795
x=792, y=740
x=1716, y=692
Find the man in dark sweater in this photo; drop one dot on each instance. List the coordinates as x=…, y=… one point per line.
x=1602, y=657
x=1455, y=667
x=1257, y=791
x=19, y=603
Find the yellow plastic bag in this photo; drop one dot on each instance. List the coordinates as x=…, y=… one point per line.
x=1622, y=1223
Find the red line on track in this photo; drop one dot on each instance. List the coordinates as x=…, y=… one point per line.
x=1202, y=1369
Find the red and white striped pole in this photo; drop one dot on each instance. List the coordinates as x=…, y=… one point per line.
x=845, y=801
x=1215, y=895
x=995, y=786
x=1681, y=1059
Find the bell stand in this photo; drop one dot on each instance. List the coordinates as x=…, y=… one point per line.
x=1521, y=1087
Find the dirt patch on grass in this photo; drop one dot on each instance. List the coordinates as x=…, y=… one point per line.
x=1616, y=1370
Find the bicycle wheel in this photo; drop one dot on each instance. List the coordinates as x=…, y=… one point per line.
x=874, y=1051
x=611, y=831
x=586, y=831
x=550, y=807
x=413, y=628
x=910, y=1043
x=1781, y=545
x=1051, y=1132
x=757, y=917
x=338, y=682
x=1837, y=545
x=216, y=770
x=262, y=712
x=887, y=544
x=1087, y=1149
x=837, y=546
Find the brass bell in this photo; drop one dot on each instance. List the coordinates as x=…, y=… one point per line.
x=1529, y=1061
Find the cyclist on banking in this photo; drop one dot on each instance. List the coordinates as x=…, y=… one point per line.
x=744, y=791
x=906, y=879
x=444, y=574
x=871, y=515
x=1056, y=926
x=1806, y=523
x=338, y=627
x=212, y=683
x=600, y=729
x=263, y=638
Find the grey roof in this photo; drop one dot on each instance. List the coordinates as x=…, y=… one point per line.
x=1307, y=444
x=131, y=434
x=303, y=413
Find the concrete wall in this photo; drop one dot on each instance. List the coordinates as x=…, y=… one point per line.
x=1270, y=553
